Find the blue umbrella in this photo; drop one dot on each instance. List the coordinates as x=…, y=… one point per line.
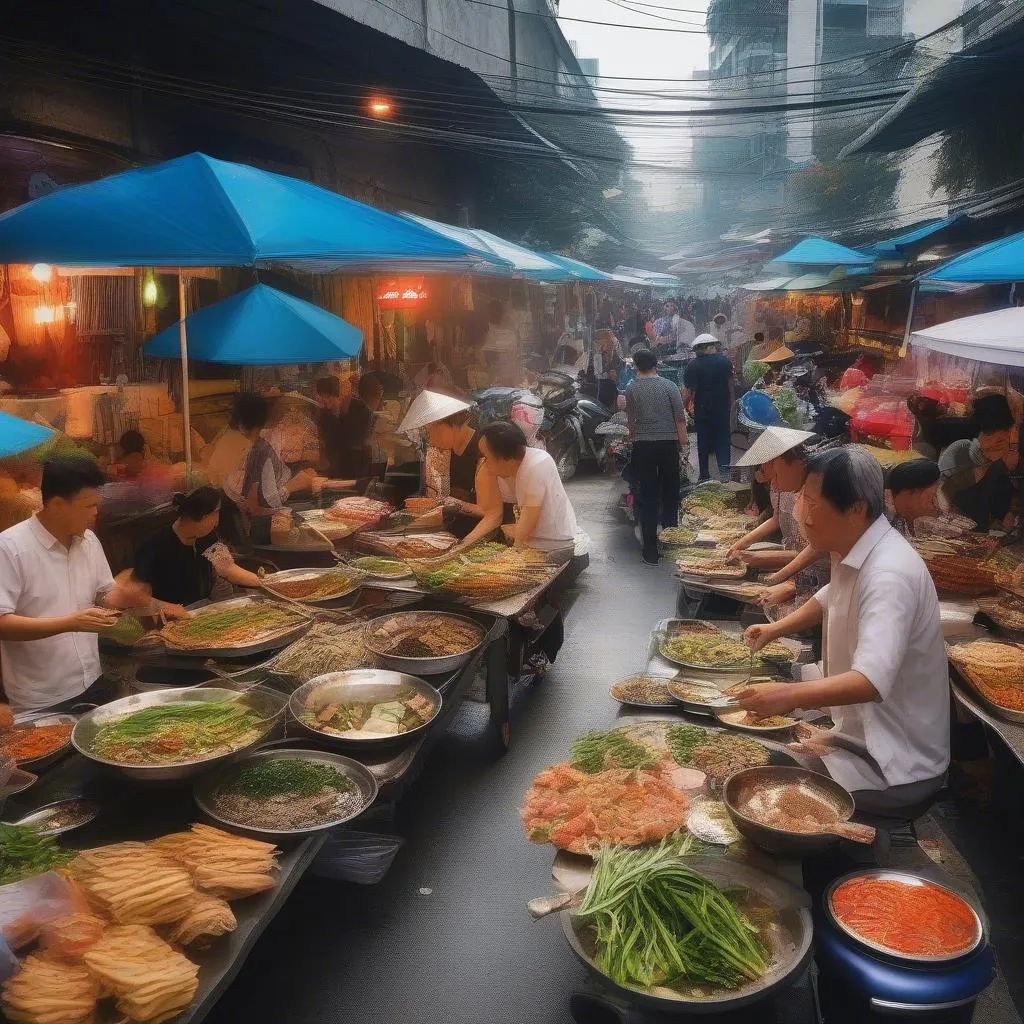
x=998, y=262
x=261, y=327
x=195, y=211
x=17, y=435
x=820, y=252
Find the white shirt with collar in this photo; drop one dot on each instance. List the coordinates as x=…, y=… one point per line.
x=881, y=618
x=40, y=578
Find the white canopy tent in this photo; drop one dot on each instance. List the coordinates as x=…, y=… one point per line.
x=996, y=337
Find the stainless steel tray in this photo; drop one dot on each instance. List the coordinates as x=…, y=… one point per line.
x=204, y=792
x=359, y=578
x=910, y=879
x=996, y=710
x=272, y=643
x=665, y=680
x=737, y=666
x=40, y=718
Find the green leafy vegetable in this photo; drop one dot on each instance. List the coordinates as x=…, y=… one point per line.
x=658, y=922
x=682, y=739
x=754, y=370
x=593, y=752
x=273, y=776
x=24, y=853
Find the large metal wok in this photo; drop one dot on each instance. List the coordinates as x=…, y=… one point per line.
x=789, y=939
x=269, y=703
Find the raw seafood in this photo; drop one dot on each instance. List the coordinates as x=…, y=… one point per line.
x=578, y=812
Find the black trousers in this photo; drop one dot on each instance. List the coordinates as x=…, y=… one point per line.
x=656, y=468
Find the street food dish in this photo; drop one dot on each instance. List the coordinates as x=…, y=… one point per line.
x=579, y=812
x=748, y=720
x=150, y=980
x=487, y=575
x=314, y=584
x=223, y=865
x=718, y=755
x=47, y=990
x=31, y=742
x=643, y=691
x=286, y=794
x=406, y=709
x=713, y=500
x=382, y=568
x=720, y=651
x=183, y=732
x=235, y=625
x=714, y=566
x=1005, y=610
x=956, y=573
x=325, y=648
x=24, y=852
x=364, y=511
x=995, y=669
x=906, y=916
x=422, y=635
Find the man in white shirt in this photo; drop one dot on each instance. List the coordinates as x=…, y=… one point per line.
x=53, y=576
x=513, y=473
x=886, y=678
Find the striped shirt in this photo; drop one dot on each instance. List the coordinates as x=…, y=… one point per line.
x=655, y=407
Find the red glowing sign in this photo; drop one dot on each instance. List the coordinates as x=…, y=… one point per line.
x=402, y=294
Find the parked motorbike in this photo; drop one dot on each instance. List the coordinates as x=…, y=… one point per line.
x=568, y=429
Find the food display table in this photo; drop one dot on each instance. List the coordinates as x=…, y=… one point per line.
x=1011, y=733
x=140, y=812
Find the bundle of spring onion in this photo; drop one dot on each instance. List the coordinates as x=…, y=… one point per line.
x=658, y=922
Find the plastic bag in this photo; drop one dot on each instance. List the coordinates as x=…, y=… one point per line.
x=361, y=857
x=28, y=906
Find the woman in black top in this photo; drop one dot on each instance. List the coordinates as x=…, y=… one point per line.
x=455, y=437
x=181, y=562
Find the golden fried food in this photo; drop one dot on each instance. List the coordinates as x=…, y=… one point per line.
x=150, y=980
x=67, y=938
x=132, y=883
x=50, y=991
x=208, y=918
x=223, y=865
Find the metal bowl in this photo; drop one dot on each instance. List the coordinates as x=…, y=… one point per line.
x=204, y=792
x=664, y=680
x=39, y=816
x=908, y=879
x=269, y=703
x=419, y=666
x=287, y=575
x=361, y=684
x=406, y=573
x=789, y=942
x=41, y=718
x=743, y=785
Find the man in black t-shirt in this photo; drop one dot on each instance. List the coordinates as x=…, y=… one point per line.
x=709, y=389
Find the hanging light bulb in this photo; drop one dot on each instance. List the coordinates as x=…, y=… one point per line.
x=150, y=292
x=380, y=106
x=42, y=272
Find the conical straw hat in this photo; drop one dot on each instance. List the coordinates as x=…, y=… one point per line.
x=771, y=444
x=429, y=407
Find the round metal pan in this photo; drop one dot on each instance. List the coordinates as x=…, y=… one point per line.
x=741, y=786
x=287, y=575
x=204, y=792
x=789, y=942
x=890, y=954
x=695, y=707
x=362, y=685
x=420, y=666
x=41, y=718
x=271, y=643
x=39, y=816
x=737, y=666
x=270, y=703
x=670, y=706
x=729, y=717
